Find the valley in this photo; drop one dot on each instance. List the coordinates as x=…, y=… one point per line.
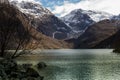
x=38, y=44
x=82, y=28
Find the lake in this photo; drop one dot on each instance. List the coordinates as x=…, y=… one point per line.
x=81, y=64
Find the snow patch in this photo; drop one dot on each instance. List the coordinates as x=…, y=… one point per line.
x=30, y=7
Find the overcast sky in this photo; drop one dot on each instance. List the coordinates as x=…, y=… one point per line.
x=63, y=7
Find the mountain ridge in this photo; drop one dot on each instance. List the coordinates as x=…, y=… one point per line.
x=79, y=20
x=75, y=26
x=42, y=19
x=37, y=39
x=95, y=34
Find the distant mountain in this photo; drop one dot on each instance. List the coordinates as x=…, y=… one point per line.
x=11, y=16
x=98, y=15
x=79, y=20
x=116, y=17
x=96, y=33
x=30, y=8
x=42, y=19
x=114, y=40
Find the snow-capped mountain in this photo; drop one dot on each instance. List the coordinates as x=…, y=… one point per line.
x=96, y=33
x=116, y=17
x=94, y=15
x=69, y=26
x=10, y=17
x=30, y=8
x=79, y=20
x=97, y=15
x=42, y=19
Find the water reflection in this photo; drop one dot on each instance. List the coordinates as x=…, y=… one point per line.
x=80, y=65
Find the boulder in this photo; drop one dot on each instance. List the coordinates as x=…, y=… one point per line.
x=32, y=72
x=41, y=65
x=117, y=50
x=9, y=70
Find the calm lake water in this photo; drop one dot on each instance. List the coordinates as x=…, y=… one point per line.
x=86, y=64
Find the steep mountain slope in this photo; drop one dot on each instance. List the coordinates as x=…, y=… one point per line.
x=10, y=16
x=79, y=20
x=96, y=33
x=111, y=42
x=42, y=19
x=30, y=8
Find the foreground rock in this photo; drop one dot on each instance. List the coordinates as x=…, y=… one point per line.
x=41, y=65
x=116, y=50
x=10, y=70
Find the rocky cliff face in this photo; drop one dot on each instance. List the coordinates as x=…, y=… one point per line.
x=10, y=16
x=42, y=19
x=82, y=27
x=96, y=33
x=79, y=20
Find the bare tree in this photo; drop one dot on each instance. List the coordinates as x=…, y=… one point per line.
x=13, y=34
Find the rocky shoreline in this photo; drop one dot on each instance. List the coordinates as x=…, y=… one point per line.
x=117, y=50
x=10, y=70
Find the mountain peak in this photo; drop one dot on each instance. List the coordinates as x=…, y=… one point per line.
x=22, y=1
x=12, y=17
x=30, y=7
x=77, y=21
x=94, y=15
x=42, y=19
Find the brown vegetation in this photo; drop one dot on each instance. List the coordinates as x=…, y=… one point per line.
x=36, y=36
x=96, y=33
x=16, y=32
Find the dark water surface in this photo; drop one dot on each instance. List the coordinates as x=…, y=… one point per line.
x=86, y=64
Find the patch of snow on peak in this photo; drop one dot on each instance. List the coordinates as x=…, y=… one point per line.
x=94, y=15
x=97, y=15
x=30, y=7
x=116, y=17
x=22, y=0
